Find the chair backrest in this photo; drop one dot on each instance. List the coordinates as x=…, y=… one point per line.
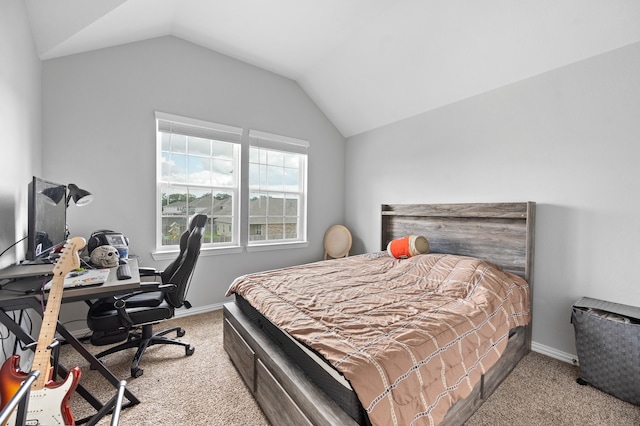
x=179, y=272
x=337, y=242
x=197, y=220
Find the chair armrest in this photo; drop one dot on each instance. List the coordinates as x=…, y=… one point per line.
x=147, y=288
x=120, y=302
x=146, y=271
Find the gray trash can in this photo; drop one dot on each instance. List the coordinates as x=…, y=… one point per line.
x=608, y=347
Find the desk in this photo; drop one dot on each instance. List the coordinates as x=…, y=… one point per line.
x=26, y=270
x=24, y=294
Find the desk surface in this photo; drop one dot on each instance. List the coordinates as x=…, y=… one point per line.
x=24, y=271
x=28, y=287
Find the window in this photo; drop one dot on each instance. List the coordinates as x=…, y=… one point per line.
x=198, y=172
x=277, y=189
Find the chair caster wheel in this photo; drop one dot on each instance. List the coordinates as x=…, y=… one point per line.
x=190, y=350
x=136, y=372
x=181, y=332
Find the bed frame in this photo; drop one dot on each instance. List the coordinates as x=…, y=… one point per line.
x=502, y=233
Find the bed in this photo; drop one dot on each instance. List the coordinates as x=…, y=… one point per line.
x=295, y=380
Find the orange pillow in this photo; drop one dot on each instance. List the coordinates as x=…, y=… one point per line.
x=411, y=245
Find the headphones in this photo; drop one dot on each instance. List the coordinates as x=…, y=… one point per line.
x=99, y=238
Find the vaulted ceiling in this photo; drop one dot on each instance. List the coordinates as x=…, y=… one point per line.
x=365, y=63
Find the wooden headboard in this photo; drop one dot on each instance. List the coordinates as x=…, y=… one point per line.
x=502, y=233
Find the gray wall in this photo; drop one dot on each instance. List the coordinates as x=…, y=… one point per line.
x=20, y=107
x=99, y=132
x=567, y=139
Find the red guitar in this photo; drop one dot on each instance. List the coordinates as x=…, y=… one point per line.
x=48, y=400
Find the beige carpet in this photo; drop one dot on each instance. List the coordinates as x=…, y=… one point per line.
x=205, y=389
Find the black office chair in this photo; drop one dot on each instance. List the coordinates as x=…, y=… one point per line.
x=117, y=318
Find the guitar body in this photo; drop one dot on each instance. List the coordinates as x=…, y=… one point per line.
x=47, y=406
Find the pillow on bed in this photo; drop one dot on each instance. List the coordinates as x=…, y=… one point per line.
x=411, y=245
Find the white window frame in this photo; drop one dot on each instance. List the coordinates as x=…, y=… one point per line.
x=284, y=144
x=169, y=123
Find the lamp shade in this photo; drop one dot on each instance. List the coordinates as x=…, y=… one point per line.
x=54, y=194
x=80, y=196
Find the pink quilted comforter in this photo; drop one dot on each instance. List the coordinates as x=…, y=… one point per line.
x=412, y=336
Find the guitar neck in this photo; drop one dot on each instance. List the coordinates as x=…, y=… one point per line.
x=67, y=261
x=42, y=357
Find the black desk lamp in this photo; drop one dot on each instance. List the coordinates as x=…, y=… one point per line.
x=80, y=196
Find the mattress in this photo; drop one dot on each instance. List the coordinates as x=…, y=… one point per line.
x=411, y=336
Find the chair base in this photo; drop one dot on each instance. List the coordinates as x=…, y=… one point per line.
x=145, y=339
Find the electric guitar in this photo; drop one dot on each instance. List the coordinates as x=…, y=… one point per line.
x=48, y=400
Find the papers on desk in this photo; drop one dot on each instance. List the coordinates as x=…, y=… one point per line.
x=83, y=278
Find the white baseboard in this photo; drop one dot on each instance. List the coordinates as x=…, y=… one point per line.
x=554, y=353
x=199, y=310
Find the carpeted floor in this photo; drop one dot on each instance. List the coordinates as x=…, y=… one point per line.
x=205, y=389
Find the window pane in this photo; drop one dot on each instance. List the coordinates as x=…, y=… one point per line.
x=291, y=180
x=256, y=232
x=257, y=205
x=165, y=167
x=291, y=205
x=254, y=155
x=263, y=176
x=172, y=229
x=257, y=176
x=174, y=215
x=291, y=216
x=254, y=176
x=291, y=229
x=178, y=144
x=275, y=158
x=177, y=168
x=275, y=230
x=274, y=178
x=179, y=201
x=292, y=160
x=165, y=142
x=275, y=205
x=200, y=201
x=222, y=150
x=199, y=146
x=199, y=170
x=257, y=217
x=222, y=172
x=222, y=218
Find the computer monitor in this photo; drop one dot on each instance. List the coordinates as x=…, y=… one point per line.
x=47, y=222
